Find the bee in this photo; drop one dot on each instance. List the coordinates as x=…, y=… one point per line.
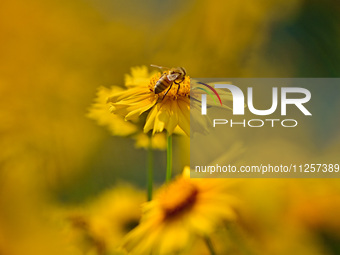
x=169, y=77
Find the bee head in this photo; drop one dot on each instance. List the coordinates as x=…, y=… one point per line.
x=180, y=70
x=184, y=72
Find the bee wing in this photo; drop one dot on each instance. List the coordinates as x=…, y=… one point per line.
x=173, y=76
x=161, y=67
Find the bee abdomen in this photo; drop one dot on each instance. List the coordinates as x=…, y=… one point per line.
x=161, y=85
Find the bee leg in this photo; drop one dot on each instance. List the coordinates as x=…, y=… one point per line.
x=179, y=84
x=178, y=88
x=167, y=91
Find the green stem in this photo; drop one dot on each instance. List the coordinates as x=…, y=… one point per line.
x=237, y=240
x=169, y=158
x=149, y=171
x=209, y=245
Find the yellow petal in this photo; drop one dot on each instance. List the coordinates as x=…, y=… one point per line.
x=137, y=109
x=184, y=116
x=128, y=93
x=173, y=119
x=162, y=116
x=150, y=120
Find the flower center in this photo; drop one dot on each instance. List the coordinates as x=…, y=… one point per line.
x=178, y=197
x=184, y=87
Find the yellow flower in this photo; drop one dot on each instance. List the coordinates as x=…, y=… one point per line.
x=103, y=113
x=166, y=113
x=100, y=227
x=170, y=112
x=182, y=210
x=100, y=112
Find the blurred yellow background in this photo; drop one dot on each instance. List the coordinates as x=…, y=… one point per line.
x=54, y=55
